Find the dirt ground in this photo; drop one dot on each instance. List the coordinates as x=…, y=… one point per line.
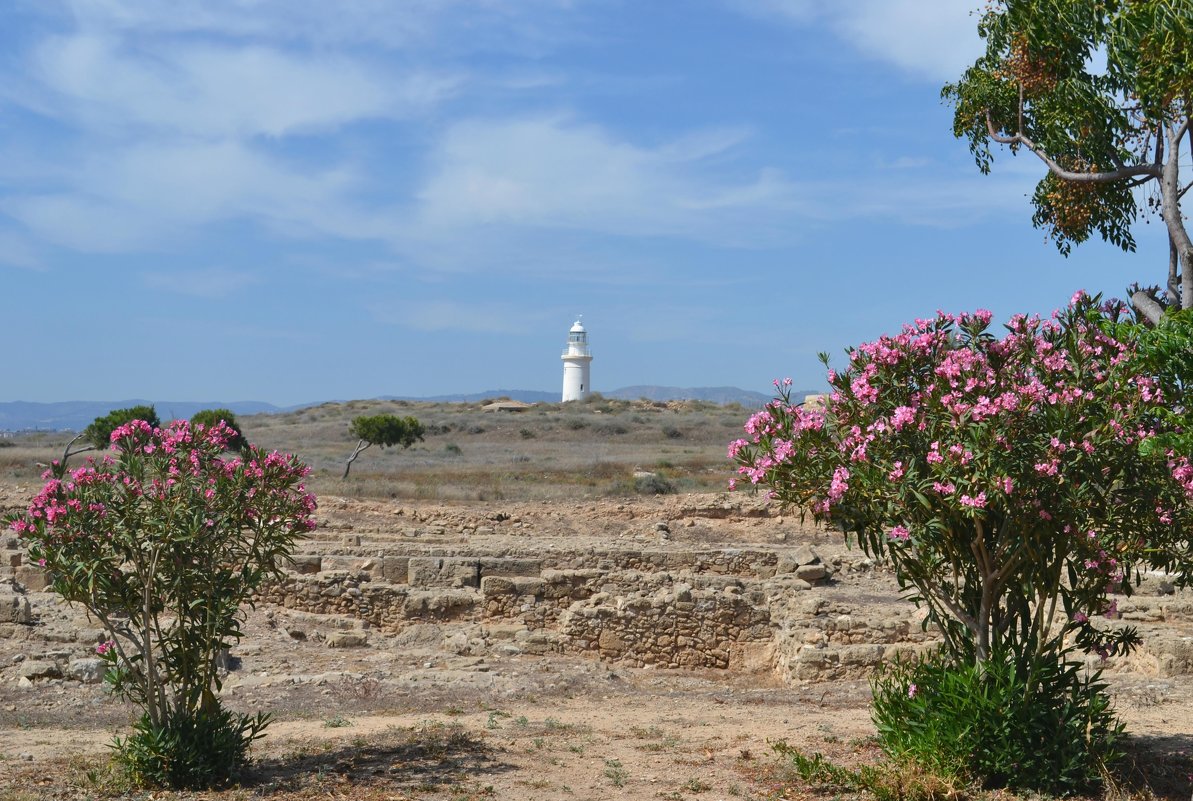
x=405, y=718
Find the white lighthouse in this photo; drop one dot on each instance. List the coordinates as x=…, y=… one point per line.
x=576, y=360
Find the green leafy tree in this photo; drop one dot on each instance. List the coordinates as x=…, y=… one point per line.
x=383, y=430
x=164, y=541
x=209, y=418
x=97, y=436
x=1108, y=136
x=99, y=433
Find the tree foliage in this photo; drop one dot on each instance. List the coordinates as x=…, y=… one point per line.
x=1101, y=132
x=383, y=430
x=99, y=433
x=164, y=541
x=208, y=418
x=1012, y=482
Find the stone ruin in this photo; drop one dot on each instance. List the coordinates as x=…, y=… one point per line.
x=675, y=593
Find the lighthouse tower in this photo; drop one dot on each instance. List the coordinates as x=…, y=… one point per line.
x=576, y=360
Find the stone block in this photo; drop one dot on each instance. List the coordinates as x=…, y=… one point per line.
x=14, y=608
x=395, y=569
x=350, y=564
x=494, y=566
x=443, y=572
x=304, y=563
x=528, y=585
x=497, y=585
x=805, y=555
x=34, y=669
x=444, y=605
x=811, y=573
x=14, y=560
x=32, y=577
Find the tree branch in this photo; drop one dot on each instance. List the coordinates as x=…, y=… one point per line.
x=360, y=446
x=1147, y=306
x=1149, y=170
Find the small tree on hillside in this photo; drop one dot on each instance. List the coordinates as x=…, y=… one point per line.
x=383, y=430
x=208, y=418
x=1101, y=132
x=98, y=435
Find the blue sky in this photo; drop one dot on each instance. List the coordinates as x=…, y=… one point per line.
x=298, y=200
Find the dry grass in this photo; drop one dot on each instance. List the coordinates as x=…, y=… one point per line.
x=547, y=452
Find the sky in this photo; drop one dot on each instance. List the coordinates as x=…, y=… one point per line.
x=300, y=200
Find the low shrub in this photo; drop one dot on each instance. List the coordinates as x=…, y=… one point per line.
x=653, y=484
x=187, y=750
x=671, y=432
x=1049, y=728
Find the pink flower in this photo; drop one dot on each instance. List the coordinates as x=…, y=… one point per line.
x=899, y=533
x=912, y=690
x=977, y=502
x=104, y=647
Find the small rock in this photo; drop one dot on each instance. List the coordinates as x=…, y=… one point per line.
x=346, y=639
x=40, y=669
x=88, y=670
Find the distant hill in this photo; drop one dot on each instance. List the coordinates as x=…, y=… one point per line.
x=77, y=415
x=524, y=395
x=712, y=394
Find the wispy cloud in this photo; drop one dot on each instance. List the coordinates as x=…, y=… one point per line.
x=210, y=90
x=931, y=39
x=554, y=172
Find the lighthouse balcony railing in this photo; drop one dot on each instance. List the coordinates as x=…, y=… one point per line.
x=576, y=350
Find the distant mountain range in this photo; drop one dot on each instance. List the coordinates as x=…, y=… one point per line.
x=712, y=394
x=76, y=415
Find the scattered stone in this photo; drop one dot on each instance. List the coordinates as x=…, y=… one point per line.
x=347, y=639
x=34, y=669
x=88, y=670
x=14, y=608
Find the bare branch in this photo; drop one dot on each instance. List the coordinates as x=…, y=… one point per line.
x=360, y=447
x=1149, y=170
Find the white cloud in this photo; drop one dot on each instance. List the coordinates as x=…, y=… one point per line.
x=219, y=91
x=931, y=39
x=143, y=196
x=404, y=24
x=555, y=173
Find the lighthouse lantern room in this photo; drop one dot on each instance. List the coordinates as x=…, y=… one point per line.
x=576, y=359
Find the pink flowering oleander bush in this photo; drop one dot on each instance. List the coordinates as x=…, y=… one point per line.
x=1005, y=479
x=1013, y=481
x=163, y=540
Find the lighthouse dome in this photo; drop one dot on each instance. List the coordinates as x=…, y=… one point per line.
x=576, y=328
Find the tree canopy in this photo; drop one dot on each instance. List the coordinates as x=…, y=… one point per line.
x=383, y=430
x=1100, y=92
x=209, y=418
x=99, y=433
